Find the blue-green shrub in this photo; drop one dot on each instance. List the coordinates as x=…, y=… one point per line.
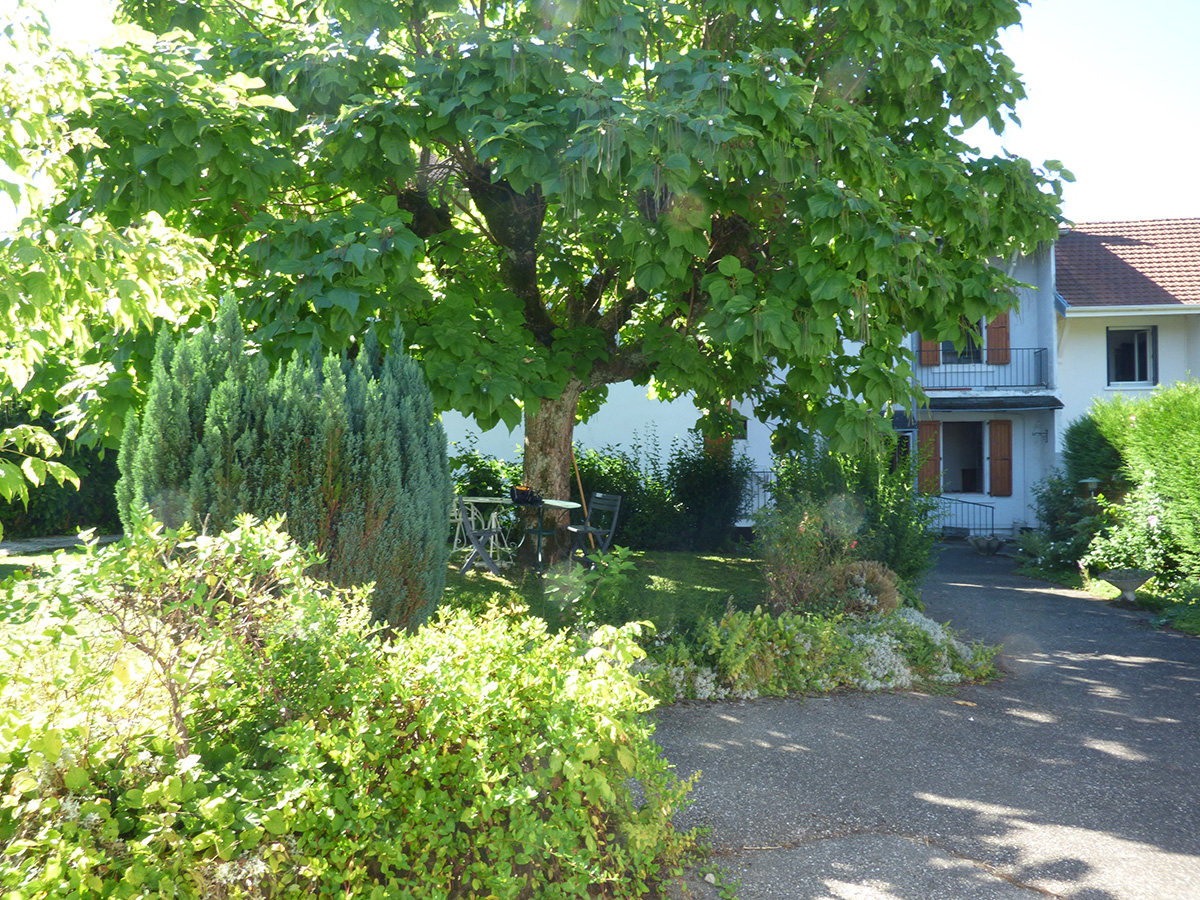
x=348, y=451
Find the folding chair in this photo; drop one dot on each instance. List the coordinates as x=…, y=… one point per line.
x=597, y=529
x=478, y=538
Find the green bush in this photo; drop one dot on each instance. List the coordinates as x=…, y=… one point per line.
x=56, y=509
x=478, y=474
x=348, y=451
x=1135, y=534
x=1067, y=518
x=1089, y=450
x=300, y=753
x=873, y=494
x=650, y=517
x=708, y=479
x=1164, y=445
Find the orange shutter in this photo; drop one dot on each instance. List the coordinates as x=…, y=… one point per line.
x=998, y=353
x=930, y=353
x=929, y=451
x=1000, y=451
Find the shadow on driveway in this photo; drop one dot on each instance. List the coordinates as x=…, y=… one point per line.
x=1075, y=776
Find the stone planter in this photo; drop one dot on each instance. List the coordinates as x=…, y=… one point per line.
x=986, y=545
x=1127, y=581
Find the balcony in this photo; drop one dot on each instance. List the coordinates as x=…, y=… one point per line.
x=1018, y=368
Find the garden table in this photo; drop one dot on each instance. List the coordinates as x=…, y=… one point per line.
x=541, y=529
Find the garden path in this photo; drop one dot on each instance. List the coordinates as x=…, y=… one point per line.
x=1077, y=776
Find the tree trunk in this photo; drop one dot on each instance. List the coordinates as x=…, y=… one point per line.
x=548, y=438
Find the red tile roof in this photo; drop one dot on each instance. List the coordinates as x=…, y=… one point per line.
x=1155, y=262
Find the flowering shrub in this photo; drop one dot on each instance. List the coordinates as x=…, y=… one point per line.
x=802, y=548
x=1134, y=535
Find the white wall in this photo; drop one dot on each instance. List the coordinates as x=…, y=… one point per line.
x=629, y=416
x=1083, y=355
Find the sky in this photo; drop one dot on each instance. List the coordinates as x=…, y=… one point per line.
x=1113, y=93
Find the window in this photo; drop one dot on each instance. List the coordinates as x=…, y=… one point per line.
x=1133, y=355
x=972, y=351
x=984, y=343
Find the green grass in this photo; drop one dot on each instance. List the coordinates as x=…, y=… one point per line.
x=11, y=565
x=675, y=591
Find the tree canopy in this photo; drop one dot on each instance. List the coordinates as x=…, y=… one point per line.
x=742, y=199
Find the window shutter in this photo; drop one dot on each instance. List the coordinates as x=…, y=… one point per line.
x=929, y=448
x=998, y=352
x=1000, y=451
x=930, y=353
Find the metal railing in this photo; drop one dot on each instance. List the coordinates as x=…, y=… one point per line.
x=1025, y=368
x=758, y=493
x=963, y=517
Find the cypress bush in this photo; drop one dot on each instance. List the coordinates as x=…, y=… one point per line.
x=349, y=451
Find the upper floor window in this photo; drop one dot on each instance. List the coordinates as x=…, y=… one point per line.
x=1133, y=355
x=972, y=351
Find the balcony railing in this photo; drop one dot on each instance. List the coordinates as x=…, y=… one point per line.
x=1025, y=367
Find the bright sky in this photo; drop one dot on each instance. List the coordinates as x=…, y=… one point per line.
x=1114, y=93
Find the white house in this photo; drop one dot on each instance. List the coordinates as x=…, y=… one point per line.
x=1130, y=309
x=988, y=435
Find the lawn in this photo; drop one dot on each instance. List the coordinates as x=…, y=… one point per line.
x=675, y=591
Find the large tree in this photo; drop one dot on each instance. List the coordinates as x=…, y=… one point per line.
x=741, y=199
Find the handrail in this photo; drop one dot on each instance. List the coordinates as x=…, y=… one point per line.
x=1022, y=367
x=963, y=515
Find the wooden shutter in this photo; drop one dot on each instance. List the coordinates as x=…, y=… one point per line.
x=929, y=449
x=1000, y=452
x=998, y=352
x=930, y=353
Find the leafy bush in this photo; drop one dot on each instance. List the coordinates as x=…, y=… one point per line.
x=871, y=491
x=1067, y=521
x=1135, y=534
x=480, y=757
x=651, y=518
x=708, y=479
x=802, y=548
x=751, y=654
x=349, y=452
x=1164, y=445
x=57, y=508
x=1090, y=447
x=476, y=474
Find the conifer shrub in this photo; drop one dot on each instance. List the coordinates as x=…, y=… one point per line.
x=349, y=451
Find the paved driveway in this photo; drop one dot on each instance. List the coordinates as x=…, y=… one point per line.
x=1077, y=776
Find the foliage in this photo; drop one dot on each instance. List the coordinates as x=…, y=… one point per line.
x=801, y=548
x=23, y=463
x=1135, y=534
x=478, y=474
x=1067, y=521
x=55, y=509
x=1163, y=447
x=593, y=595
x=348, y=452
x=874, y=493
x=480, y=757
x=651, y=517
x=698, y=195
x=1090, y=446
x=708, y=479
x=751, y=654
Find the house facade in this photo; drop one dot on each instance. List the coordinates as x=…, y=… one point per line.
x=988, y=432
x=1129, y=300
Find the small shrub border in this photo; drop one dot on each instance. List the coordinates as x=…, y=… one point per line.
x=746, y=655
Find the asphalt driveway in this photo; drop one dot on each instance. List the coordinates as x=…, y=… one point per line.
x=1076, y=776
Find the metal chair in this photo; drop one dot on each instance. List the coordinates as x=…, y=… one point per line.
x=597, y=529
x=478, y=538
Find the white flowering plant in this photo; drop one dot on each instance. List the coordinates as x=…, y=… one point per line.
x=1135, y=535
